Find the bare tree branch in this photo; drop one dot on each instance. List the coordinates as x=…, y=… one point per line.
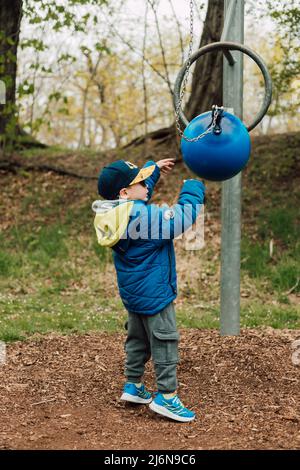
x=143, y=71
x=92, y=68
x=179, y=31
x=154, y=9
x=115, y=31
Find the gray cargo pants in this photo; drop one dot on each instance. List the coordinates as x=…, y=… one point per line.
x=156, y=336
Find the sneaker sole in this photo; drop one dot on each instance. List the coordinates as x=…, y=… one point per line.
x=161, y=410
x=133, y=399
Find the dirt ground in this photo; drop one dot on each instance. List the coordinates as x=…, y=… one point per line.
x=62, y=392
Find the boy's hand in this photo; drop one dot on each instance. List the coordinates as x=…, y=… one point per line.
x=166, y=165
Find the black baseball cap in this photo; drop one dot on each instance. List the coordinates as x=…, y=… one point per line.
x=118, y=175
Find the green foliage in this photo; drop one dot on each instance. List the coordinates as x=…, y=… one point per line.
x=55, y=96
x=38, y=12
x=287, y=14
x=25, y=88
x=285, y=63
x=66, y=58
x=36, y=44
x=61, y=16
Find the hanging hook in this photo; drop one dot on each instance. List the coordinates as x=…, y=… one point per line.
x=216, y=117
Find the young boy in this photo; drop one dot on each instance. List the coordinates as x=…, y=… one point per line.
x=141, y=237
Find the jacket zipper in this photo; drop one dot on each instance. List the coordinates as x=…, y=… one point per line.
x=170, y=265
x=170, y=271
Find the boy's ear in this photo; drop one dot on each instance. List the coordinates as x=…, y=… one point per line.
x=122, y=192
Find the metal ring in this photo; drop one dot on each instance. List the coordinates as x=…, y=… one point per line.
x=227, y=46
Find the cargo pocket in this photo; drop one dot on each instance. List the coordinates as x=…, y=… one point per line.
x=165, y=347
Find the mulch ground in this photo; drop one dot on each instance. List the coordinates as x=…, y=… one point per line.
x=62, y=392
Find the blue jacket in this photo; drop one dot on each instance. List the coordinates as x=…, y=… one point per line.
x=141, y=236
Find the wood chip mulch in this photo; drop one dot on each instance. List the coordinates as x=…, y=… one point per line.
x=62, y=392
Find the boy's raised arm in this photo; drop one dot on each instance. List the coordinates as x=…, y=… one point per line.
x=163, y=166
x=152, y=179
x=161, y=224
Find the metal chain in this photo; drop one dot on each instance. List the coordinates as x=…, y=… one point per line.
x=208, y=130
x=187, y=70
x=185, y=80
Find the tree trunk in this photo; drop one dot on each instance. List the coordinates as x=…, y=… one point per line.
x=10, y=19
x=208, y=73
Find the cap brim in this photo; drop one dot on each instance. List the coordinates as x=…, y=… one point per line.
x=143, y=174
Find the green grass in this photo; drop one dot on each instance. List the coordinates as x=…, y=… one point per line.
x=45, y=313
x=78, y=313
x=9, y=263
x=57, y=151
x=282, y=274
x=48, y=259
x=281, y=223
x=281, y=267
x=25, y=248
x=192, y=316
x=258, y=315
x=50, y=265
x=255, y=258
x=31, y=247
x=39, y=265
x=252, y=316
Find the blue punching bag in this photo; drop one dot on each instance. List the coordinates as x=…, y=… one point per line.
x=220, y=154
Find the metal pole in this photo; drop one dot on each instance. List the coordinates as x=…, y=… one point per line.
x=231, y=189
x=228, y=18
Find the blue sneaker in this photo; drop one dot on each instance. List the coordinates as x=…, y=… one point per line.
x=171, y=408
x=136, y=394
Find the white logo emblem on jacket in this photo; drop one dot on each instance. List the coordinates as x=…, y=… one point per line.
x=169, y=214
